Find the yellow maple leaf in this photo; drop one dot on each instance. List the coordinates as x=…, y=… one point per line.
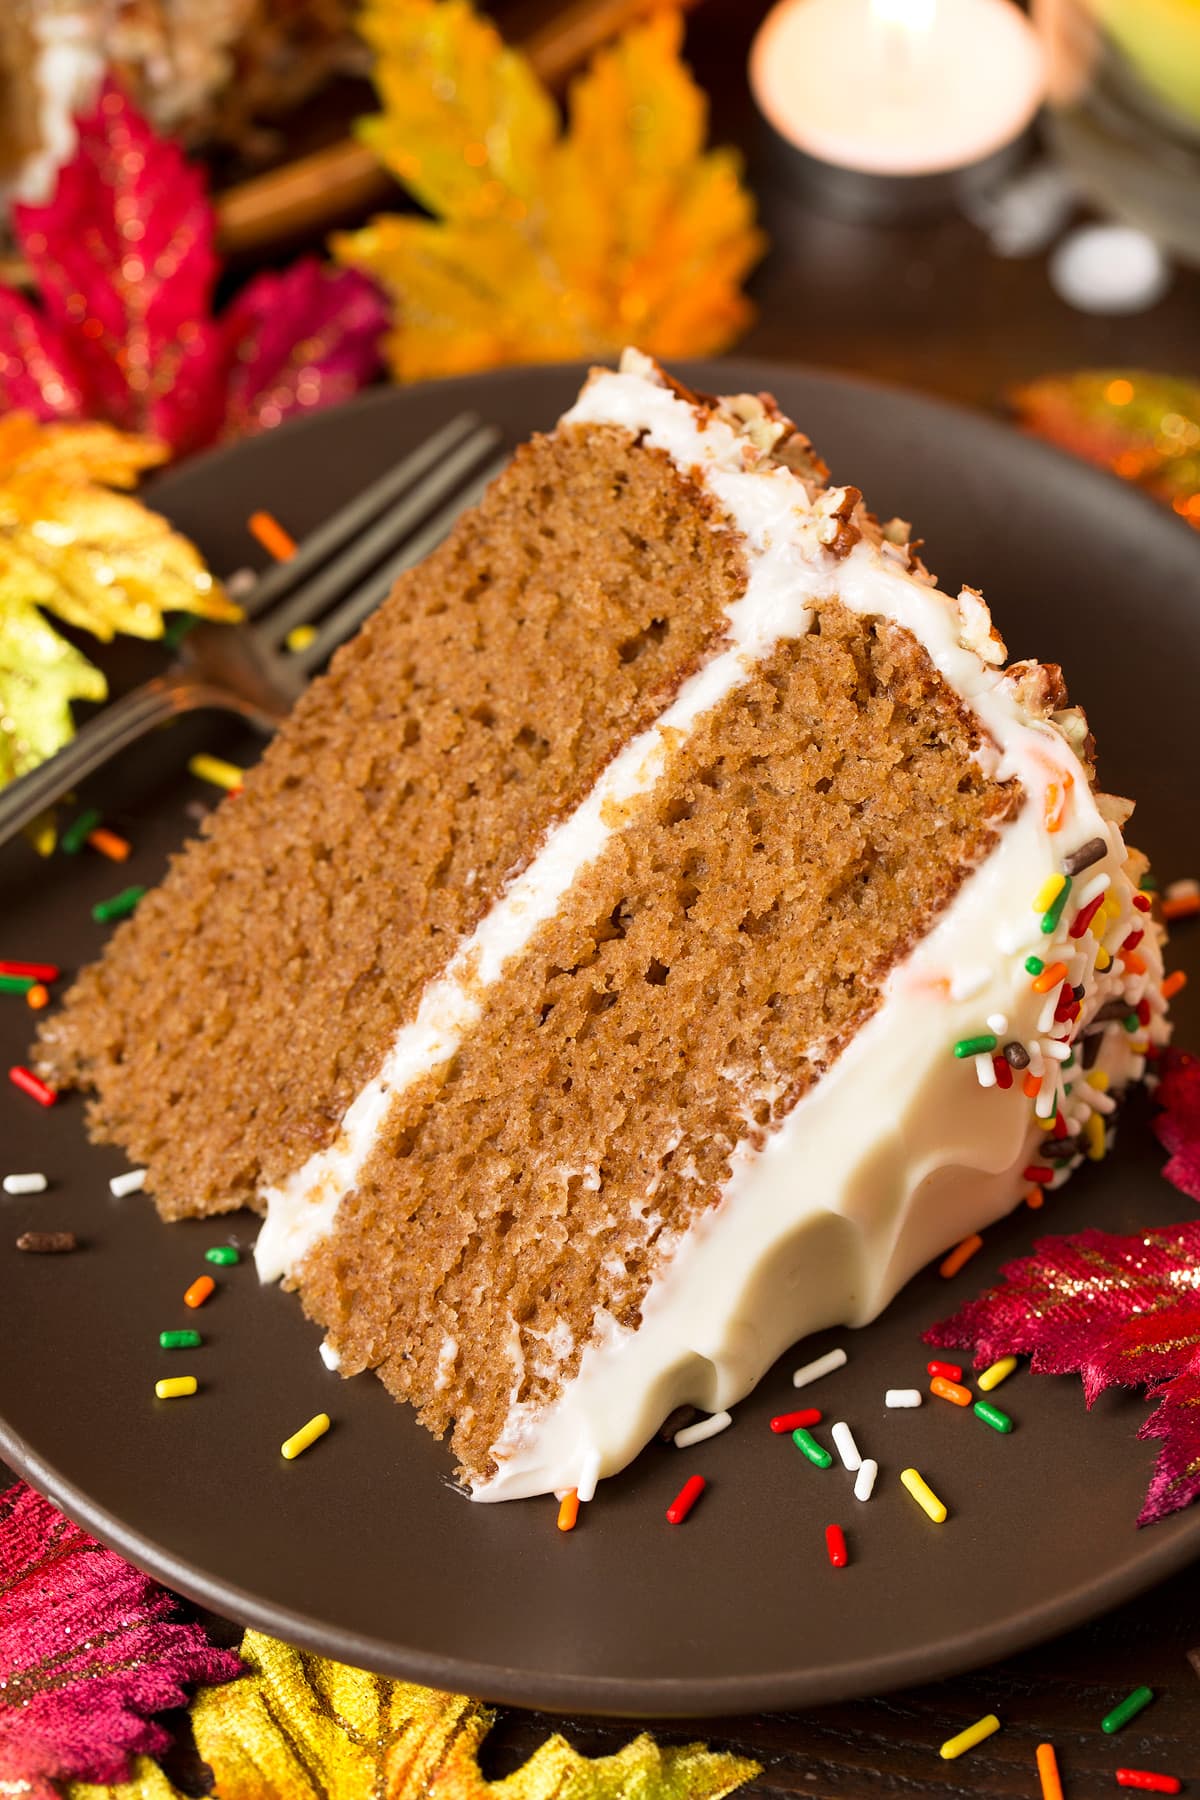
x=299, y=1727
x=97, y=559
x=547, y=243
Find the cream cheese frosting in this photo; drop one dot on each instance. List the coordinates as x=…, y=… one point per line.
x=901, y=1147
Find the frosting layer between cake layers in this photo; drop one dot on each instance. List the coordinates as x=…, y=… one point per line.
x=897, y=1150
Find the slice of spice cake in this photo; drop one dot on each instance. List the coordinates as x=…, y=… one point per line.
x=665, y=927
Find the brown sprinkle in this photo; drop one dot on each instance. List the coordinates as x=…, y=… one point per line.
x=676, y=1421
x=48, y=1243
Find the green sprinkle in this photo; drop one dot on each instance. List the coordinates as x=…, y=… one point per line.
x=178, y=629
x=78, y=831
x=222, y=1253
x=804, y=1440
x=976, y=1046
x=15, y=984
x=119, y=907
x=1148, y=883
x=1132, y=1021
x=991, y=1415
x=1129, y=1708
x=1054, y=911
x=179, y=1340
x=1069, y=1064
x=1034, y=965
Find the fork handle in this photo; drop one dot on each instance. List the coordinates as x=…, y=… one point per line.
x=117, y=726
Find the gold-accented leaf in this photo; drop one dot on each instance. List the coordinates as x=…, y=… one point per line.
x=40, y=675
x=147, y=1782
x=548, y=243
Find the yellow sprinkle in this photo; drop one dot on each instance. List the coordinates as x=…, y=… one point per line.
x=1103, y=959
x=44, y=837
x=307, y=1434
x=1048, y=893
x=300, y=637
x=222, y=774
x=176, y=1387
x=924, y=1496
x=1093, y=1131
x=1099, y=1080
x=974, y=1734
x=1112, y=906
x=993, y=1376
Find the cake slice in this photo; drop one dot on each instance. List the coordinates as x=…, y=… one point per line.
x=665, y=927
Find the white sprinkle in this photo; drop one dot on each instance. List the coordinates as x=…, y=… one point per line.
x=1046, y=1016
x=998, y=1022
x=132, y=1182
x=902, y=1397
x=967, y=982
x=1058, y=1048
x=589, y=1475
x=24, y=1184
x=703, y=1428
x=844, y=1444
x=1037, y=1062
x=1109, y=269
x=1182, y=890
x=329, y=1355
x=1099, y=884
x=1046, y=1104
x=864, y=1481
x=824, y=1365
x=985, y=1069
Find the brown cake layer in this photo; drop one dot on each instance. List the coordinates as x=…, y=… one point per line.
x=700, y=975
x=231, y=1021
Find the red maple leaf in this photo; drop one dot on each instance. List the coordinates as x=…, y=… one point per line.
x=1115, y=1310
x=125, y=260
x=1177, y=1127
x=88, y=1652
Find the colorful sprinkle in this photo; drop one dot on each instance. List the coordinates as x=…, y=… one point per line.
x=1002, y=1072
x=16, y=984
x=1054, y=912
x=703, y=1428
x=1051, y=890
x=24, y=1184
x=131, y=1182
x=179, y=1340
x=1055, y=805
x=1031, y=1087
x=300, y=637
x=76, y=834
x=33, y=971
x=947, y=1371
x=225, y=1254
x=816, y=1453
x=1173, y=984
x=48, y=1243
x=950, y=1390
x=1037, y=1172
x=962, y=1253
x=982, y=1045
x=199, y=1291
x=109, y=844
x=1142, y=902
x=118, y=907
x=216, y=770
x=923, y=1494
x=991, y=1415
x=967, y=1740
x=37, y=996
x=822, y=1365
x=1034, y=965
x=903, y=1397
x=1048, y=1775
x=782, y=1422
x=835, y=1544
x=1149, y=1781
x=1035, y=1199
x=176, y=1387
x=29, y=1084
x=1093, y=1131
x=568, y=1509
x=685, y=1499
x=844, y=1444
x=266, y=529
x=1129, y=1708
x=1085, y=915
x=864, y=1481
x=1049, y=978
x=307, y=1434
x=1087, y=854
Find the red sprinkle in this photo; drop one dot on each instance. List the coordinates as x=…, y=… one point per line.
x=835, y=1543
x=809, y=1415
x=1004, y=1074
x=1143, y=1012
x=29, y=1084
x=31, y=971
x=1148, y=1781
x=1085, y=915
x=1060, y=1126
x=1067, y=1007
x=685, y=1499
x=1037, y=1174
x=1133, y=940
x=948, y=1371
x=1142, y=902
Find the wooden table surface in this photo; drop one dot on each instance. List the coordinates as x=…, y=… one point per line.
x=931, y=307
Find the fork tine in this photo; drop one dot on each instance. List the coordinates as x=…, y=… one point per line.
x=354, y=609
x=340, y=575
x=277, y=582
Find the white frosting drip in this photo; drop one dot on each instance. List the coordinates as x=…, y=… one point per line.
x=897, y=1150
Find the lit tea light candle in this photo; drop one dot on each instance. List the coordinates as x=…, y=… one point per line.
x=898, y=89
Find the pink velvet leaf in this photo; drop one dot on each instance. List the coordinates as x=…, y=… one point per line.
x=1177, y=1127
x=89, y=1652
x=36, y=372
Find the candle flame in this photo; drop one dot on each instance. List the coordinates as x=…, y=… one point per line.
x=914, y=17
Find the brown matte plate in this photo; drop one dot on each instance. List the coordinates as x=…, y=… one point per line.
x=363, y=1548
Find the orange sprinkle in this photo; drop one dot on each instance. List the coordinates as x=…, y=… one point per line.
x=1135, y=963
x=950, y=1390
x=37, y=996
x=1031, y=1087
x=568, y=1510
x=270, y=533
x=1184, y=907
x=1035, y=1199
x=1173, y=983
x=1047, y=1761
x=108, y=844
x=199, y=1291
x=962, y=1253
x=1049, y=978
x=1056, y=802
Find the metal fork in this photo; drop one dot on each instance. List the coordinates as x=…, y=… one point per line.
x=340, y=573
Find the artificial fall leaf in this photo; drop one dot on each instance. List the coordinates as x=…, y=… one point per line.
x=125, y=261
x=97, y=559
x=300, y=1727
x=88, y=1653
x=1115, y=1310
x=1143, y=426
x=1177, y=1127
x=547, y=244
